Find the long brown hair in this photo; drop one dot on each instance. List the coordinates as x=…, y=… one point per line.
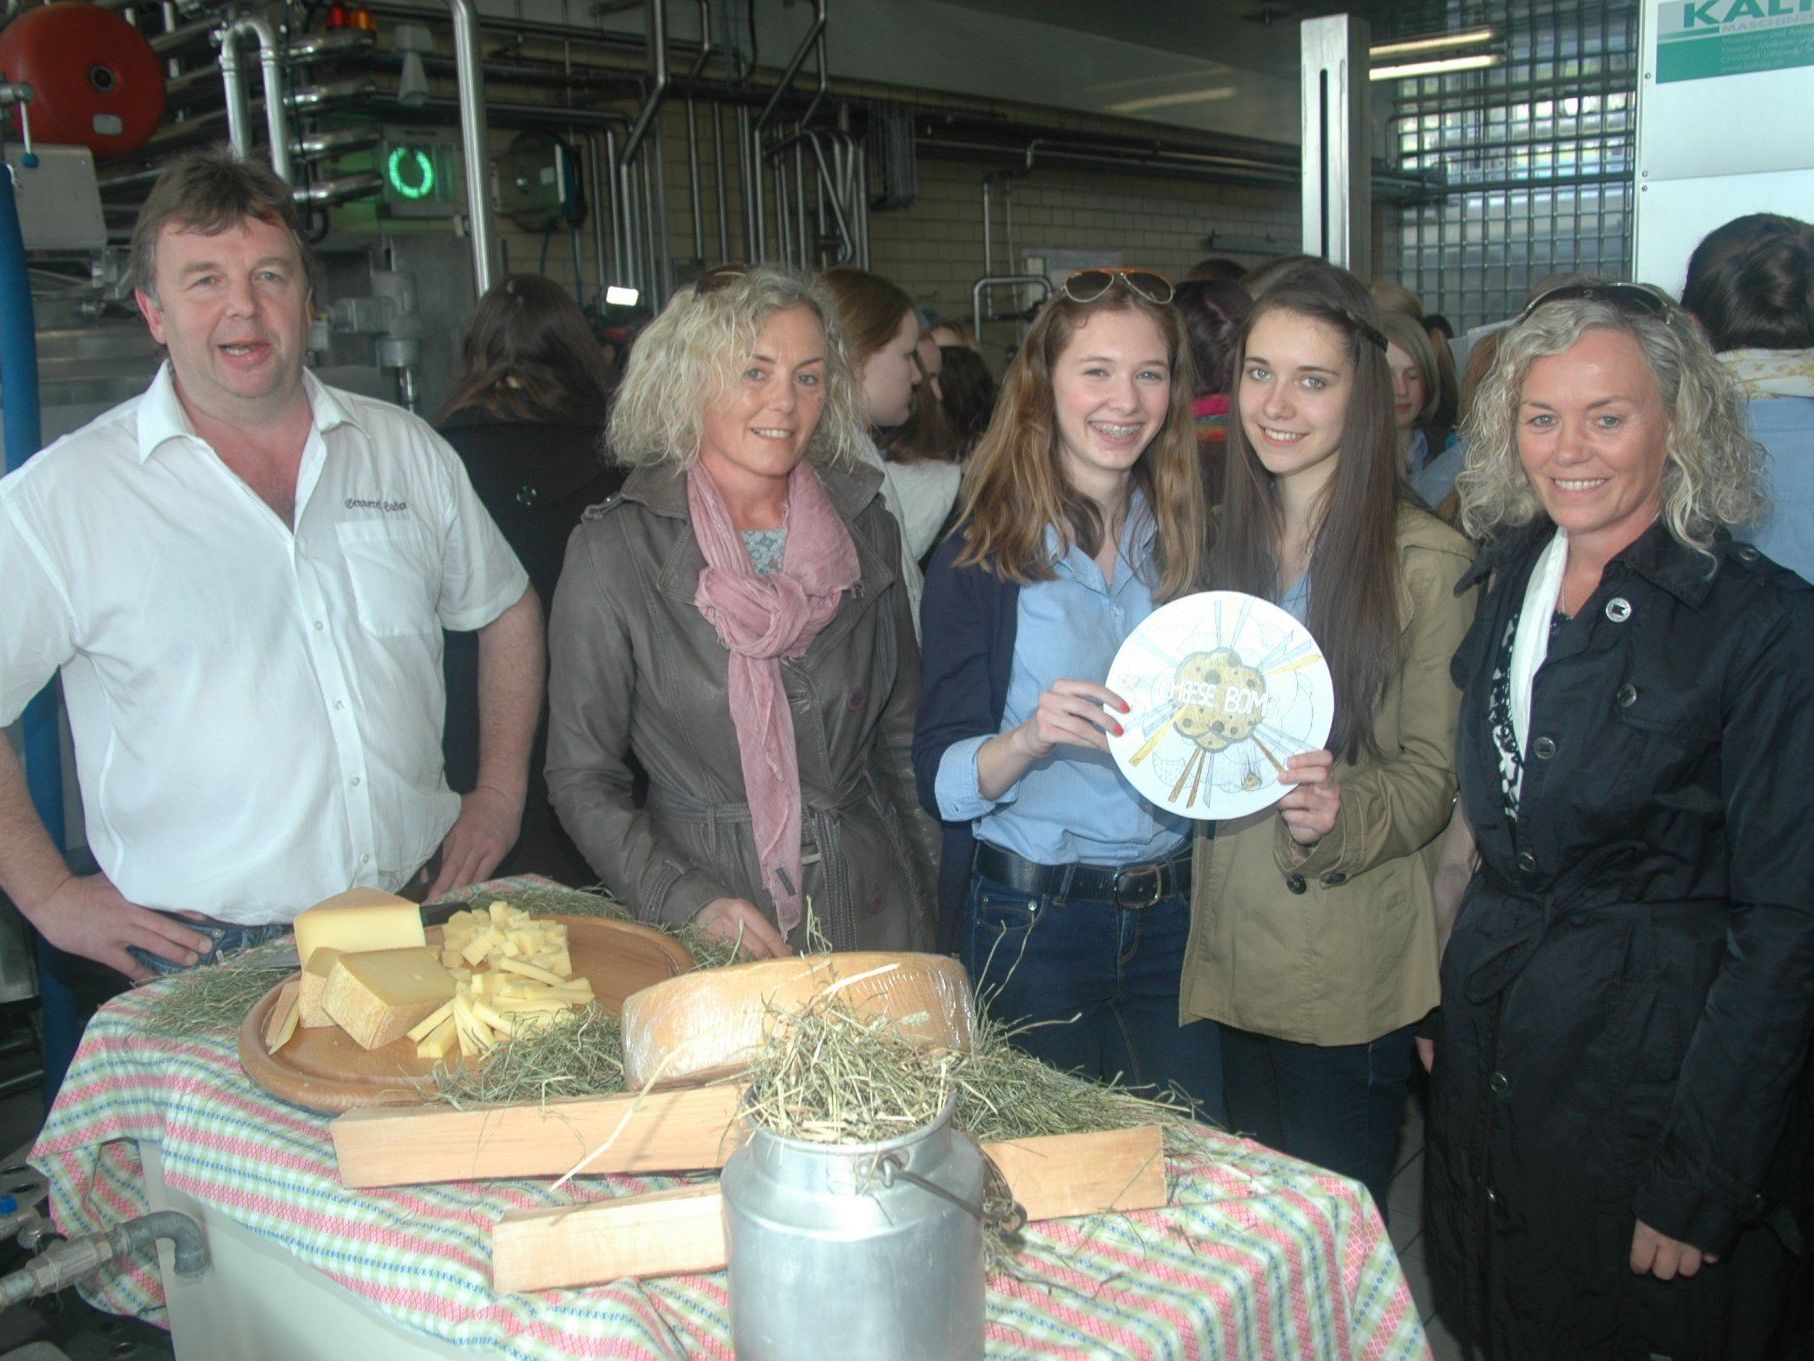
x=870, y=307
x=1016, y=486
x=529, y=356
x=1354, y=565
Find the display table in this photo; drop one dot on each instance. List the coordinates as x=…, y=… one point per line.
x=1257, y=1255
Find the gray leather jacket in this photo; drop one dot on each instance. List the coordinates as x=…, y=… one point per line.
x=634, y=667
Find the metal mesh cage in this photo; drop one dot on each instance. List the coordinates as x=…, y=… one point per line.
x=1536, y=157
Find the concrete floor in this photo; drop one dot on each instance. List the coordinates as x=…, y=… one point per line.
x=1404, y=1198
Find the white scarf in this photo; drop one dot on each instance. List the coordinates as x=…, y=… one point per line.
x=1531, y=644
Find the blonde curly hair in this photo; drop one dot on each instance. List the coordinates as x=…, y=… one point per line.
x=1712, y=472
x=692, y=354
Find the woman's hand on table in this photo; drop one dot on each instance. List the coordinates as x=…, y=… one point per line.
x=1075, y=712
x=740, y=921
x=1662, y=1256
x=1311, y=807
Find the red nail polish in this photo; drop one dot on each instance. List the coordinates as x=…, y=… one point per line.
x=1118, y=730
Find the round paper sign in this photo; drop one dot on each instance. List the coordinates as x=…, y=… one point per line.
x=1223, y=689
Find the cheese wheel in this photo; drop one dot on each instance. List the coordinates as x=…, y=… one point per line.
x=706, y=1023
x=359, y=919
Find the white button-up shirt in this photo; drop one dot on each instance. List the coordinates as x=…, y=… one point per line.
x=257, y=712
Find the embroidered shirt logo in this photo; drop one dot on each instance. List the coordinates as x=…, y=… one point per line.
x=376, y=503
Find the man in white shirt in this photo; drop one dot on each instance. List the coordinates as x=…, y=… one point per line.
x=243, y=576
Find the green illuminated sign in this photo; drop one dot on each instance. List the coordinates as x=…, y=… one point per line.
x=411, y=172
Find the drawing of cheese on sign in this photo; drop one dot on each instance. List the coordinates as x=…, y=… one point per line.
x=1224, y=688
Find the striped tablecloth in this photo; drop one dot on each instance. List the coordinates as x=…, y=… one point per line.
x=1257, y=1256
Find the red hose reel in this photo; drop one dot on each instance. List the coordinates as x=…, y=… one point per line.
x=95, y=81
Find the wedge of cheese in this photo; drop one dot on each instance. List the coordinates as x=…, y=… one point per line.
x=280, y=1025
x=314, y=988
x=706, y=1023
x=359, y=919
x=377, y=995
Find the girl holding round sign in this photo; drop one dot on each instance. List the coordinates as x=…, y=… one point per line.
x=1313, y=939
x=1064, y=890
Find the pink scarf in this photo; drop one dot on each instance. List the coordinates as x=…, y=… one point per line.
x=760, y=620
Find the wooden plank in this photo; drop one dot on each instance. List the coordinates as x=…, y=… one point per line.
x=667, y=1131
x=670, y=1233
x=663, y=1233
x=1079, y=1174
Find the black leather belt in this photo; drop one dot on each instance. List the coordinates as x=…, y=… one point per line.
x=1129, y=886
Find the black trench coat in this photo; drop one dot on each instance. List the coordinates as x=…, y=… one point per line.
x=1629, y=991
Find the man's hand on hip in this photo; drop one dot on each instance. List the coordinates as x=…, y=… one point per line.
x=87, y=916
x=481, y=836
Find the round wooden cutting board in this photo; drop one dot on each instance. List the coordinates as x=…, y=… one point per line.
x=326, y=1070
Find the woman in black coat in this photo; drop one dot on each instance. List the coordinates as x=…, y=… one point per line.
x=527, y=417
x=1620, y=1125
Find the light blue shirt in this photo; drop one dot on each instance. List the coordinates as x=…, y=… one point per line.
x=1073, y=806
x=1436, y=479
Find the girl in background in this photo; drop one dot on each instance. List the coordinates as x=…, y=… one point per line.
x=884, y=334
x=526, y=415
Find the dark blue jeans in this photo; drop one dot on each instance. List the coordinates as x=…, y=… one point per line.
x=226, y=939
x=1094, y=985
x=1338, y=1106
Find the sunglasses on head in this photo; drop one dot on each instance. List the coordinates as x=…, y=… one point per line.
x=719, y=276
x=1635, y=300
x=1087, y=285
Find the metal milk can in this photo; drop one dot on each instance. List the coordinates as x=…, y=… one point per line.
x=856, y=1250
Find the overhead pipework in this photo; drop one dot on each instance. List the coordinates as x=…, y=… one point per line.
x=270, y=66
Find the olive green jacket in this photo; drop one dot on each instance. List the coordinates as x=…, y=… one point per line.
x=1337, y=944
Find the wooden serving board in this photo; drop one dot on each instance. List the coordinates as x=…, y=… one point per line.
x=326, y=1070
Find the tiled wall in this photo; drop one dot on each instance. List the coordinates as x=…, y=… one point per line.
x=934, y=249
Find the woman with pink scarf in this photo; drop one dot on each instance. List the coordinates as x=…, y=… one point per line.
x=732, y=625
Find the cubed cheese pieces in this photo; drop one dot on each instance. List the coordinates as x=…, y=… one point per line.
x=314, y=987
x=501, y=932
x=377, y=995
x=360, y=919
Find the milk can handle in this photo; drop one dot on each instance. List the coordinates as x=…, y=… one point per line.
x=889, y=1167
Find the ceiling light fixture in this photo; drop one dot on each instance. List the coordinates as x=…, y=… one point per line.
x=1437, y=42
x=1477, y=62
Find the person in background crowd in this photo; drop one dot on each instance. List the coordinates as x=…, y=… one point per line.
x=1413, y=367
x=735, y=620
x=1263, y=276
x=1448, y=383
x=883, y=332
x=1212, y=312
x=968, y=395
x=955, y=332
x=1216, y=269
x=1064, y=891
x=1313, y=940
x=1620, y=1130
x=1751, y=285
x=526, y=415
x=1436, y=481
x=1393, y=296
